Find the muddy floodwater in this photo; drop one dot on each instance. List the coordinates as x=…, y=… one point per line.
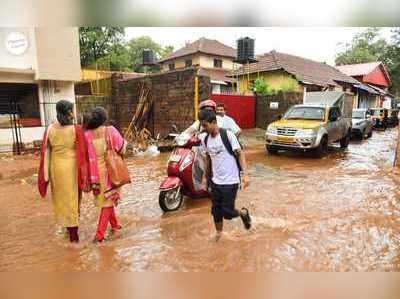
x=339, y=213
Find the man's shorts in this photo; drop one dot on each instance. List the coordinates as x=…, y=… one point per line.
x=223, y=201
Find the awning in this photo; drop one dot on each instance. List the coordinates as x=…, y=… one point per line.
x=379, y=90
x=366, y=88
x=218, y=82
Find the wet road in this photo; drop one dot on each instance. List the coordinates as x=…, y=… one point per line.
x=339, y=213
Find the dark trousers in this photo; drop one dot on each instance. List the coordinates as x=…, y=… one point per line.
x=73, y=234
x=223, y=202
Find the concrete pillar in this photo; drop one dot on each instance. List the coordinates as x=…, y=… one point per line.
x=50, y=92
x=48, y=102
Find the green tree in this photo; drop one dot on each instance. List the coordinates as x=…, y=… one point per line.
x=366, y=46
x=137, y=45
x=369, y=46
x=394, y=62
x=120, y=58
x=99, y=42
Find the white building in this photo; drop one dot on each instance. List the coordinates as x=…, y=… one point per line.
x=38, y=67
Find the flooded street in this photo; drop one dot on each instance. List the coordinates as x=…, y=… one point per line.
x=339, y=213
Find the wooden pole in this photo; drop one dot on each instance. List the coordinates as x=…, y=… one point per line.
x=248, y=75
x=196, y=98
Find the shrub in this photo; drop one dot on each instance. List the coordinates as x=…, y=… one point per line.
x=261, y=87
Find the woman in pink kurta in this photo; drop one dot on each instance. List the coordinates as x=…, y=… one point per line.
x=98, y=136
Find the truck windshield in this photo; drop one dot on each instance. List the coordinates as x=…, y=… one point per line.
x=358, y=114
x=311, y=113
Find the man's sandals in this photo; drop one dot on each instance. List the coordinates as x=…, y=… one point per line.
x=244, y=214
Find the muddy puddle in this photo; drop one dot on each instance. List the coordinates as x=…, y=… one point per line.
x=339, y=213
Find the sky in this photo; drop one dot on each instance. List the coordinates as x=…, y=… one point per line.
x=317, y=43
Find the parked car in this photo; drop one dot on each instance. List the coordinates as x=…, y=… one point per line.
x=361, y=123
x=309, y=127
x=379, y=118
x=393, y=118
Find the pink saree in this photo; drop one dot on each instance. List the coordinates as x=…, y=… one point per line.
x=114, y=141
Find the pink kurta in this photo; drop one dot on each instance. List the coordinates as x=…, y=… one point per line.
x=97, y=147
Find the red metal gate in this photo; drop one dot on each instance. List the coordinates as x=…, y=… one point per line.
x=241, y=108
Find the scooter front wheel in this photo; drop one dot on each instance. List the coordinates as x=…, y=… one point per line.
x=170, y=200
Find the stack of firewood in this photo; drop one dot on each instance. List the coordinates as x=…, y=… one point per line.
x=137, y=132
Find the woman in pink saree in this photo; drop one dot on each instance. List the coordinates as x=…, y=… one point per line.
x=98, y=136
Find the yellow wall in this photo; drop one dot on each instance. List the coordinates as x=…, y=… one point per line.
x=180, y=62
x=207, y=61
x=202, y=60
x=90, y=75
x=275, y=80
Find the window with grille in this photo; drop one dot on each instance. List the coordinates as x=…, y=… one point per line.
x=217, y=63
x=188, y=62
x=171, y=66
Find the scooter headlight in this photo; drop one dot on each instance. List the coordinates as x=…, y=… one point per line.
x=186, y=162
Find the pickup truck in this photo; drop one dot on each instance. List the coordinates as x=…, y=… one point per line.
x=309, y=127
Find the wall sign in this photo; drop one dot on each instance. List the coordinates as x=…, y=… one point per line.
x=16, y=43
x=274, y=105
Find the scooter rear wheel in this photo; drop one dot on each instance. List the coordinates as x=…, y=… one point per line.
x=170, y=200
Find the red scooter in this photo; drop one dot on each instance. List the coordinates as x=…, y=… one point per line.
x=184, y=172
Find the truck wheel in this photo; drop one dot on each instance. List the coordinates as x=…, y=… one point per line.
x=344, y=142
x=271, y=150
x=322, y=148
x=362, y=136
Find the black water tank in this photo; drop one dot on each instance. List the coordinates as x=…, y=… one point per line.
x=149, y=58
x=245, y=50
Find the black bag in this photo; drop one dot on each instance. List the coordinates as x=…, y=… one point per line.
x=228, y=146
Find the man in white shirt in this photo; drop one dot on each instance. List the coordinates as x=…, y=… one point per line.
x=225, y=165
x=195, y=128
x=226, y=122
x=223, y=120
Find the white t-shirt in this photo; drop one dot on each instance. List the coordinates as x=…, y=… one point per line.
x=228, y=123
x=224, y=167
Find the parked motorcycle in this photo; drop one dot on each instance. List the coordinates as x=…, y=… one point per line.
x=185, y=171
x=379, y=118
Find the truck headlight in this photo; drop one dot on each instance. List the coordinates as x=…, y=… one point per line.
x=272, y=130
x=306, y=133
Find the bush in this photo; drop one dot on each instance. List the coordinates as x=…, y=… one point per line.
x=261, y=87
